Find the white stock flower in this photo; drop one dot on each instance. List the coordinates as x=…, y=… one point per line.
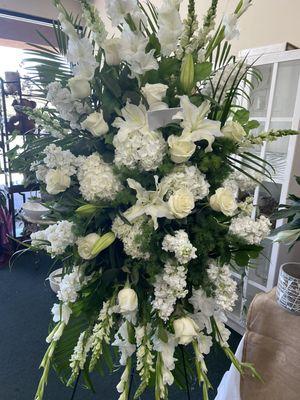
x=122, y=342
x=112, y=48
x=169, y=286
x=195, y=125
x=231, y=30
x=181, y=203
x=85, y=245
x=181, y=150
x=117, y=10
x=180, y=245
x=95, y=124
x=59, y=236
x=253, y=232
x=223, y=201
x=61, y=313
x=127, y=300
x=170, y=26
x=96, y=179
x=80, y=87
x=233, y=130
x=185, y=329
x=154, y=93
x=56, y=181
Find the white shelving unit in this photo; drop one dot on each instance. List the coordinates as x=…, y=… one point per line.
x=275, y=103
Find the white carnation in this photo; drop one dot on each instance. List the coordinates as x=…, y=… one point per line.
x=59, y=236
x=189, y=178
x=180, y=245
x=96, y=179
x=169, y=286
x=253, y=232
x=128, y=234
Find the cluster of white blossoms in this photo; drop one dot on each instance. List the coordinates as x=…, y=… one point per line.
x=166, y=351
x=135, y=145
x=239, y=181
x=252, y=231
x=188, y=178
x=180, y=245
x=169, y=286
x=225, y=287
x=55, y=239
x=79, y=356
x=128, y=234
x=122, y=341
x=144, y=355
x=70, y=285
x=68, y=108
x=97, y=179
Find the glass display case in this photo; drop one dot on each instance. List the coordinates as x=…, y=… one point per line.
x=275, y=103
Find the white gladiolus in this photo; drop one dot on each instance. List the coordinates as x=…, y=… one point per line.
x=112, y=48
x=61, y=313
x=80, y=87
x=85, y=245
x=117, y=10
x=127, y=300
x=223, y=201
x=231, y=30
x=95, y=124
x=233, y=130
x=181, y=150
x=181, y=203
x=57, y=181
x=170, y=26
x=185, y=329
x=154, y=94
x=122, y=342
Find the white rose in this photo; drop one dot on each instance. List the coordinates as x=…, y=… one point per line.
x=185, y=329
x=181, y=203
x=112, y=48
x=85, y=245
x=95, y=124
x=154, y=94
x=180, y=149
x=224, y=201
x=80, y=87
x=57, y=181
x=127, y=300
x=233, y=130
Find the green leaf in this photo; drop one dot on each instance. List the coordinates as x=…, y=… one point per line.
x=202, y=71
x=242, y=258
x=253, y=124
x=242, y=116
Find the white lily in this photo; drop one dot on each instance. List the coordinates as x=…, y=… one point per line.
x=195, y=125
x=134, y=118
x=149, y=202
x=287, y=237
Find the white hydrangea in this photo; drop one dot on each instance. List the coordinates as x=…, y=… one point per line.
x=180, y=245
x=128, y=234
x=135, y=144
x=97, y=179
x=189, y=178
x=225, y=287
x=239, y=181
x=59, y=236
x=170, y=26
x=71, y=284
x=122, y=342
x=60, y=159
x=169, y=286
x=253, y=232
x=68, y=108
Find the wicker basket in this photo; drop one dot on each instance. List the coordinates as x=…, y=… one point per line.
x=288, y=288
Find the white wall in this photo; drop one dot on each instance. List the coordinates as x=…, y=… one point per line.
x=266, y=22
x=41, y=8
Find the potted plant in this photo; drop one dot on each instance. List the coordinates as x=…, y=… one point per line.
x=5, y=230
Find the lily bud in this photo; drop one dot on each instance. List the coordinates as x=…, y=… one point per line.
x=86, y=210
x=187, y=74
x=102, y=243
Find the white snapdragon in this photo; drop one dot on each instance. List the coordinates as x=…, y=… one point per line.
x=55, y=239
x=225, y=287
x=180, y=245
x=97, y=179
x=169, y=286
x=79, y=356
x=122, y=342
x=135, y=144
x=128, y=234
x=253, y=232
x=189, y=178
x=133, y=51
x=170, y=26
x=144, y=356
x=195, y=125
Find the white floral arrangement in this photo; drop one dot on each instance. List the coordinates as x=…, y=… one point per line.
x=148, y=221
